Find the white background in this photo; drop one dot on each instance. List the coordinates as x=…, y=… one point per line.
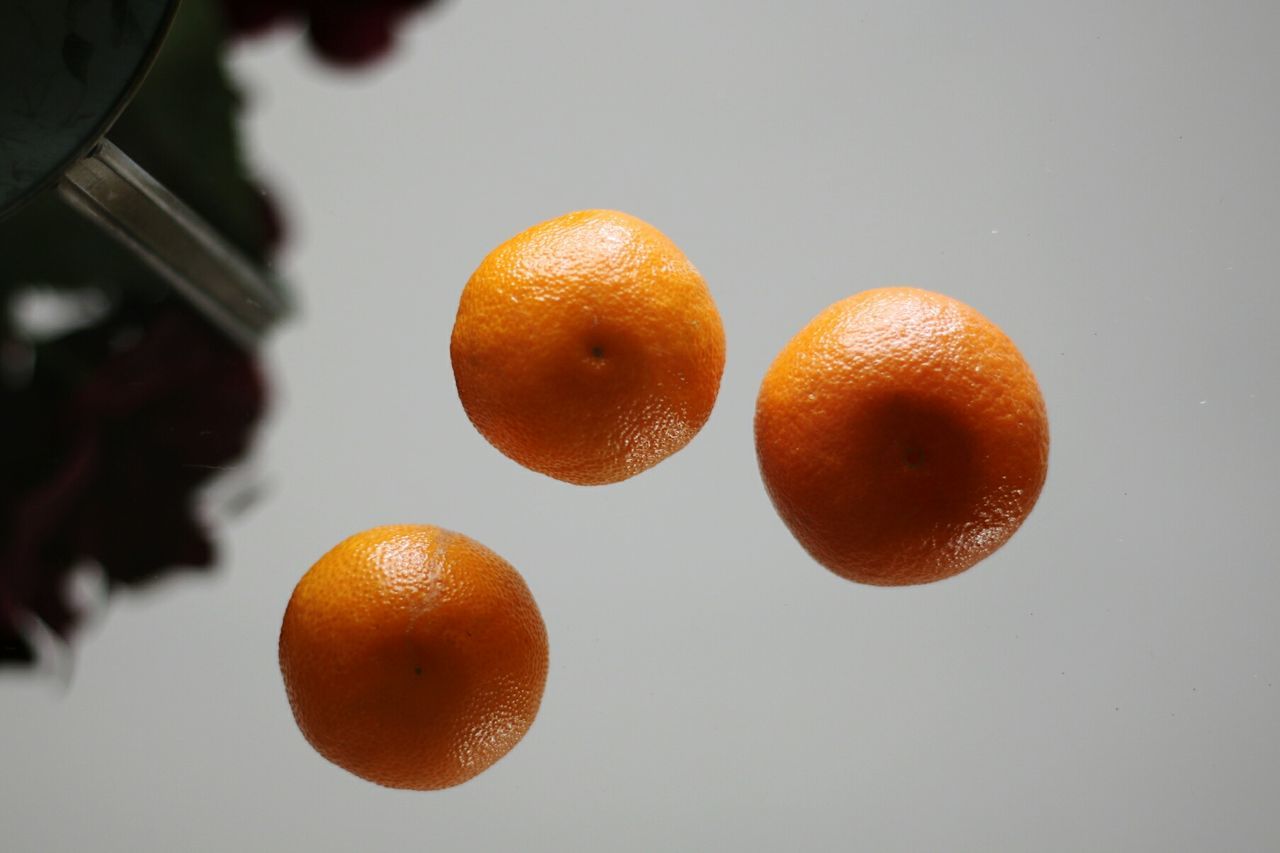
x=1100, y=179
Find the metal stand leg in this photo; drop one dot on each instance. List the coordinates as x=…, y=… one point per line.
x=130, y=205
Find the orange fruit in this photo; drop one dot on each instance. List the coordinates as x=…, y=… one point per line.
x=588, y=348
x=901, y=437
x=413, y=656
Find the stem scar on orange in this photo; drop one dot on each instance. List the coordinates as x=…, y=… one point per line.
x=588, y=348
x=901, y=437
x=413, y=656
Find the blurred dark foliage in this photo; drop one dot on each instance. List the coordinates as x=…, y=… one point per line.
x=103, y=449
x=343, y=32
x=108, y=431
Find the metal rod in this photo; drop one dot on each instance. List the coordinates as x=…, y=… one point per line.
x=213, y=275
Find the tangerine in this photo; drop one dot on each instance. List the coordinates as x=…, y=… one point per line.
x=901, y=437
x=413, y=656
x=588, y=348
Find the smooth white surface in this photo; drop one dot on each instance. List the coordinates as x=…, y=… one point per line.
x=1099, y=179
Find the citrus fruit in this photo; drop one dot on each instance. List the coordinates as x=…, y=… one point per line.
x=413, y=656
x=901, y=437
x=587, y=348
